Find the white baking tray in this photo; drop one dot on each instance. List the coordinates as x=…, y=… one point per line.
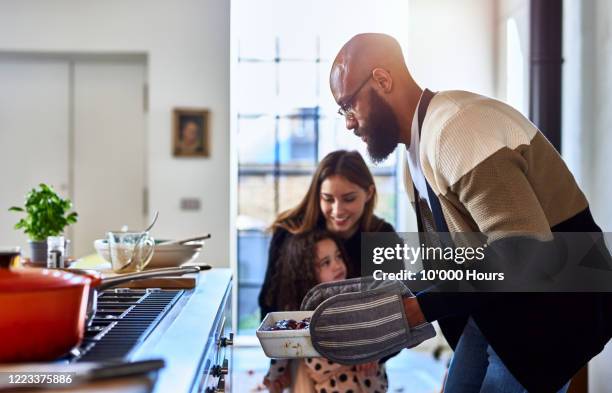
x=286, y=344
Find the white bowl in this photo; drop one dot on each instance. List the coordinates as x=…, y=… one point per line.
x=286, y=344
x=164, y=255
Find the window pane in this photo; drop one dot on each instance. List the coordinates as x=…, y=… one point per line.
x=333, y=136
x=255, y=201
x=257, y=47
x=252, y=263
x=256, y=140
x=292, y=189
x=387, y=196
x=248, y=309
x=256, y=87
x=298, y=46
x=297, y=85
x=297, y=138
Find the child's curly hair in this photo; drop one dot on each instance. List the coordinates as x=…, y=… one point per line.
x=295, y=271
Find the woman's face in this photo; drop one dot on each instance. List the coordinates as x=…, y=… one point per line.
x=329, y=265
x=342, y=204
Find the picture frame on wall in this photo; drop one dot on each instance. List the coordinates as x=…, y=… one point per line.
x=190, y=132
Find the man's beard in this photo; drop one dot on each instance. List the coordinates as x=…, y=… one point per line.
x=382, y=129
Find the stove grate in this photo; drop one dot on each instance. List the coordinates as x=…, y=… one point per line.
x=125, y=318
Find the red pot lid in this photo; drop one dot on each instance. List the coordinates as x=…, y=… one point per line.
x=32, y=279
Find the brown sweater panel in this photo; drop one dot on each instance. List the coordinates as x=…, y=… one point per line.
x=525, y=190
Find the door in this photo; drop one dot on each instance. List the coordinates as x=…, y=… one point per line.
x=34, y=123
x=77, y=123
x=109, y=148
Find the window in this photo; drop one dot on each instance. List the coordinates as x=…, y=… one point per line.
x=515, y=67
x=286, y=121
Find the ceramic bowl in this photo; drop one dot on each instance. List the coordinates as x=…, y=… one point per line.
x=164, y=255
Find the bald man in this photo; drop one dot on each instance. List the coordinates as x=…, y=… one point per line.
x=474, y=164
x=376, y=93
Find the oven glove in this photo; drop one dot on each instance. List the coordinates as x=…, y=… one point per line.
x=364, y=325
x=324, y=291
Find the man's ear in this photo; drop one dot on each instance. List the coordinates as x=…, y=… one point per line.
x=383, y=79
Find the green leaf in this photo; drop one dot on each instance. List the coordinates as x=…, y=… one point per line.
x=46, y=213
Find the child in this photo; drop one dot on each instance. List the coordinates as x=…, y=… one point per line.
x=307, y=260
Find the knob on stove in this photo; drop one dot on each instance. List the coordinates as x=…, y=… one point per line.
x=219, y=370
x=225, y=341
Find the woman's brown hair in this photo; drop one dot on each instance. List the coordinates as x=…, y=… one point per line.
x=295, y=272
x=307, y=214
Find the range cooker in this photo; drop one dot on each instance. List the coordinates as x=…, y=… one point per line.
x=189, y=328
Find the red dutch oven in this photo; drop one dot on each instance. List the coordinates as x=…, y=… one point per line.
x=42, y=313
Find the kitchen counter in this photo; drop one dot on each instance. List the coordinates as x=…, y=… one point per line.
x=192, y=335
x=189, y=334
x=187, y=338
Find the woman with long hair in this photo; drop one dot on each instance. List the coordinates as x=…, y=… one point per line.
x=341, y=199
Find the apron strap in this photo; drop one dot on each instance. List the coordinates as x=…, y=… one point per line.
x=436, y=208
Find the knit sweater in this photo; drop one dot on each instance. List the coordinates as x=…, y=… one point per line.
x=493, y=172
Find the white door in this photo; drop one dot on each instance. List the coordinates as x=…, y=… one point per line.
x=34, y=125
x=109, y=148
x=77, y=123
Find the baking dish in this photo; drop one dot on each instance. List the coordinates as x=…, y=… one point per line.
x=286, y=344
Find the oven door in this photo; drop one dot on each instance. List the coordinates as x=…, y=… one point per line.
x=218, y=362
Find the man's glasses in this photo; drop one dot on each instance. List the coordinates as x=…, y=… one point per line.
x=346, y=108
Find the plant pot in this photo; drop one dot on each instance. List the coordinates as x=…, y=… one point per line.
x=38, y=252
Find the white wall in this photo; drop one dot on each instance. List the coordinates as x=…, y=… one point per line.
x=597, y=96
x=587, y=83
x=187, y=43
x=451, y=44
x=446, y=49
x=587, y=121
x=518, y=11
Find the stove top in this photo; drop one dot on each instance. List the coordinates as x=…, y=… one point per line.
x=124, y=318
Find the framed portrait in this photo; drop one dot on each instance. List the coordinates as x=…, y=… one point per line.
x=190, y=130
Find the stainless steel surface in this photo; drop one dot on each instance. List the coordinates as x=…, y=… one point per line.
x=220, y=388
x=167, y=271
x=80, y=374
x=190, y=358
x=182, y=241
x=111, y=282
x=123, y=369
x=124, y=319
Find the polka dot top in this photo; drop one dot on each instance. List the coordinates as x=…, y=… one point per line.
x=331, y=377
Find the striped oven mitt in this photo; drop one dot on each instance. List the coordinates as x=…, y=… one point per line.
x=361, y=320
